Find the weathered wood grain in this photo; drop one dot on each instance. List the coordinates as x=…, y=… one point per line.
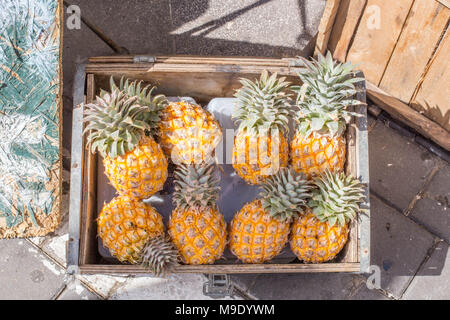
x=433, y=96
x=326, y=25
x=376, y=36
x=423, y=29
x=226, y=269
x=344, y=27
x=409, y=116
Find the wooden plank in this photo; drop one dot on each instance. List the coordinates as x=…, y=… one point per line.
x=344, y=27
x=326, y=25
x=409, y=116
x=445, y=3
x=187, y=59
x=423, y=29
x=432, y=98
x=226, y=269
x=377, y=33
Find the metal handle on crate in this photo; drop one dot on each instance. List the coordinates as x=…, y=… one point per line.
x=144, y=59
x=218, y=286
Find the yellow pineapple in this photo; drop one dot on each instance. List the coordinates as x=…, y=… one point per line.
x=327, y=90
x=134, y=163
x=187, y=133
x=321, y=233
x=134, y=232
x=260, y=230
x=260, y=146
x=196, y=226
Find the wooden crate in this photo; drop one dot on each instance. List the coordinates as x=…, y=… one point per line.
x=203, y=79
x=403, y=49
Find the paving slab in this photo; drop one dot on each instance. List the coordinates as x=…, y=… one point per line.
x=25, y=273
x=313, y=286
x=433, y=209
x=142, y=27
x=398, y=246
x=78, y=46
x=432, y=282
x=399, y=167
x=174, y=287
x=104, y=285
x=75, y=290
x=246, y=27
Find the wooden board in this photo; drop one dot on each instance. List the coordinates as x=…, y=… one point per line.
x=409, y=116
x=372, y=46
x=344, y=27
x=30, y=117
x=433, y=96
x=423, y=29
x=326, y=25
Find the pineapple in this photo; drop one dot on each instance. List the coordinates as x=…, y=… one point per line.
x=154, y=104
x=321, y=233
x=134, y=163
x=188, y=134
x=327, y=90
x=260, y=146
x=134, y=232
x=260, y=230
x=196, y=227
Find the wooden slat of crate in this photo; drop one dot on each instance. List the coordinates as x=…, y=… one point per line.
x=227, y=269
x=423, y=29
x=433, y=95
x=372, y=47
x=326, y=25
x=409, y=116
x=344, y=27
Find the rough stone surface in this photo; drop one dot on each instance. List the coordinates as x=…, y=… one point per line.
x=25, y=273
x=433, y=280
x=433, y=210
x=314, y=286
x=75, y=290
x=235, y=27
x=398, y=167
x=398, y=246
x=174, y=287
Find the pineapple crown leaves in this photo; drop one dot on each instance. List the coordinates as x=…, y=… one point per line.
x=115, y=124
x=155, y=104
x=160, y=256
x=263, y=105
x=285, y=194
x=196, y=186
x=327, y=91
x=337, y=198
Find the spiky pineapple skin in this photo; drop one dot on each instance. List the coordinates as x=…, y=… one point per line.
x=316, y=153
x=188, y=133
x=253, y=158
x=200, y=237
x=125, y=225
x=314, y=241
x=139, y=173
x=255, y=236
